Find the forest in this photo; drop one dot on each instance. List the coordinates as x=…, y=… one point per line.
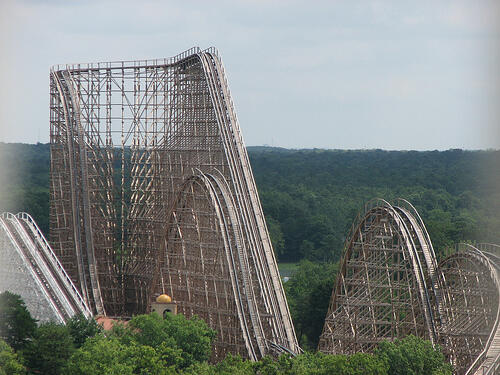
x=311, y=198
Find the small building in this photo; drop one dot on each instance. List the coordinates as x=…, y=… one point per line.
x=163, y=305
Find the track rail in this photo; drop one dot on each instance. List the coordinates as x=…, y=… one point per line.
x=44, y=266
x=417, y=226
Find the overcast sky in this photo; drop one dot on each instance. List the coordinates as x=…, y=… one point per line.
x=330, y=74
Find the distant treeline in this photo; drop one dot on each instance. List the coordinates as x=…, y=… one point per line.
x=311, y=197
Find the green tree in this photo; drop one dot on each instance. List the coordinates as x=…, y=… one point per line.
x=107, y=355
x=413, y=356
x=307, y=250
x=80, y=328
x=324, y=364
x=308, y=293
x=16, y=324
x=234, y=365
x=148, y=344
x=276, y=236
x=191, y=336
x=298, y=187
x=49, y=350
x=10, y=364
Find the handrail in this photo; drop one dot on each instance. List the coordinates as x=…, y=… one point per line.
x=419, y=271
x=425, y=243
x=127, y=64
x=494, y=367
x=220, y=109
x=74, y=101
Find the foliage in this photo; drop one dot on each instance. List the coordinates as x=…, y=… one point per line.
x=109, y=355
x=10, y=364
x=308, y=293
x=233, y=365
x=413, y=356
x=16, y=324
x=408, y=356
x=287, y=269
x=310, y=199
x=276, y=235
x=148, y=344
x=102, y=355
x=304, y=364
x=49, y=350
x=322, y=364
x=314, y=195
x=191, y=337
x=80, y=328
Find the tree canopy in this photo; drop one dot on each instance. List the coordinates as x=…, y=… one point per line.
x=10, y=363
x=308, y=293
x=50, y=349
x=311, y=197
x=16, y=324
x=152, y=345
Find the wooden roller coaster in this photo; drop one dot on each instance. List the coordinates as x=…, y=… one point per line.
x=152, y=192
x=390, y=285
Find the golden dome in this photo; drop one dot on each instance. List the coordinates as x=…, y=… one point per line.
x=163, y=298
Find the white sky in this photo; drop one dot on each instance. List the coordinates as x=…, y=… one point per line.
x=331, y=74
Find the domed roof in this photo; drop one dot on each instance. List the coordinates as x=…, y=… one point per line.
x=163, y=298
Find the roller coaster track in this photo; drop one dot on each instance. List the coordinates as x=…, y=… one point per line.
x=391, y=285
x=472, y=335
x=381, y=291
x=425, y=251
x=47, y=271
x=152, y=192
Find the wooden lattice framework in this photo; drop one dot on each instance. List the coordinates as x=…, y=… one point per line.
x=152, y=192
x=384, y=289
x=470, y=335
x=390, y=285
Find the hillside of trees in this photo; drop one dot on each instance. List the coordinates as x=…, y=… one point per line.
x=311, y=197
